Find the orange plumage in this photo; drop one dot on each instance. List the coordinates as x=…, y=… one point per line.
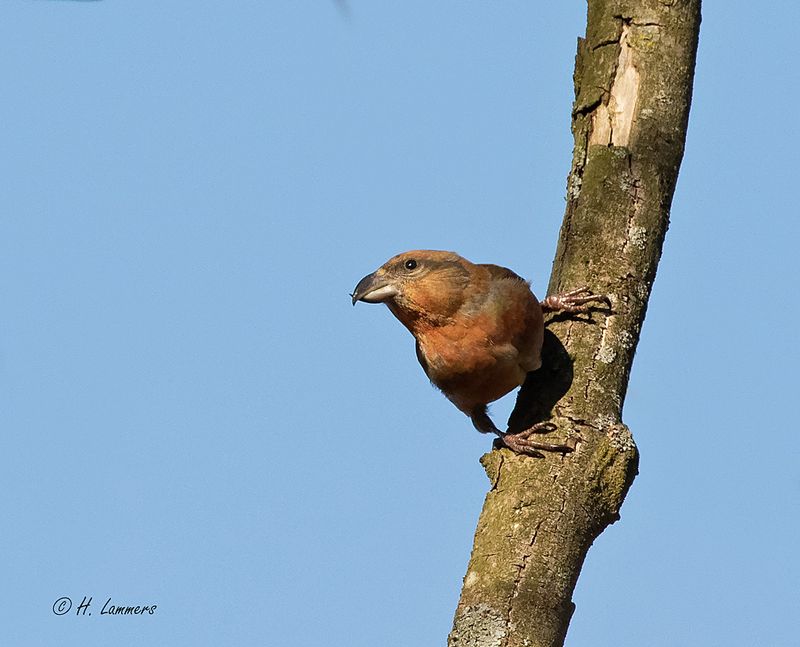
x=479, y=328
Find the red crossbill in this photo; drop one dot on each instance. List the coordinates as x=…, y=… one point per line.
x=478, y=328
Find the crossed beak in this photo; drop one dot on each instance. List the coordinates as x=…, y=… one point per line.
x=374, y=288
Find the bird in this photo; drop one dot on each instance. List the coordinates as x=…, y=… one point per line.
x=478, y=329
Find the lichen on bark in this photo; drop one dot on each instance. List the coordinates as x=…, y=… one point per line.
x=633, y=81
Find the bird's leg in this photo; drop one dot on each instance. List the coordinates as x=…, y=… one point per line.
x=574, y=301
x=520, y=442
x=483, y=423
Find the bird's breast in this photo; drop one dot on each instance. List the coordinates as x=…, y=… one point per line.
x=469, y=366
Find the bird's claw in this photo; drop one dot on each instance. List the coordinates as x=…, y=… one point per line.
x=521, y=442
x=574, y=301
x=538, y=428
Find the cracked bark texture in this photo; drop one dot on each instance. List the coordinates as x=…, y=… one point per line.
x=633, y=82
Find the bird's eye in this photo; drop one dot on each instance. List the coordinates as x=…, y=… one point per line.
x=410, y=264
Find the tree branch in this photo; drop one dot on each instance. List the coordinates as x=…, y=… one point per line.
x=633, y=82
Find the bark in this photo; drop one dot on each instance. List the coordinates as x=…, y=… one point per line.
x=633, y=83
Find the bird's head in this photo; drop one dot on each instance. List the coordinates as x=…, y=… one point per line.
x=421, y=287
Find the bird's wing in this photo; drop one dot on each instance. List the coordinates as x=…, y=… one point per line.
x=520, y=322
x=421, y=359
x=498, y=272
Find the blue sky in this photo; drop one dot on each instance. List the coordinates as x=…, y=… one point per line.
x=194, y=415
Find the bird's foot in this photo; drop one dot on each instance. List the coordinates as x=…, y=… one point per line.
x=574, y=301
x=521, y=442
